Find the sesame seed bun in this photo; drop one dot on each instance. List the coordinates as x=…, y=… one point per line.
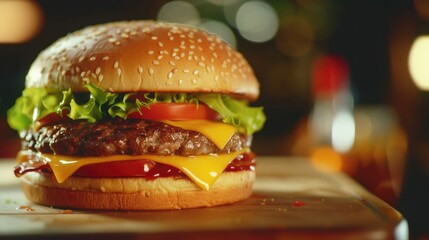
x=135, y=193
x=144, y=56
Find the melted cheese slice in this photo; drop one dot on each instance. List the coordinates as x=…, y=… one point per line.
x=203, y=170
x=217, y=132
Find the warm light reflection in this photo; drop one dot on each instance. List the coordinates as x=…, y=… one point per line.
x=257, y=21
x=418, y=62
x=19, y=21
x=326, y=159
x=179, y=12
x=222, y=30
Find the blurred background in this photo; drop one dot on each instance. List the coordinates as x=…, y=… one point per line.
x=342, y=82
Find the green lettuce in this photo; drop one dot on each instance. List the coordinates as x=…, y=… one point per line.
x=235, y=112
x=36, y=103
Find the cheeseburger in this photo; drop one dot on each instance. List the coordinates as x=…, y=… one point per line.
x=135, y=116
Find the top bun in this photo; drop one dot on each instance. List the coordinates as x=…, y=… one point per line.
x=144, y=56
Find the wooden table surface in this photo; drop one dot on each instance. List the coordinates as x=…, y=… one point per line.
x=291, y=200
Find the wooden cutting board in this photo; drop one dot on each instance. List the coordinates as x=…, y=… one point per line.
x=291, y=200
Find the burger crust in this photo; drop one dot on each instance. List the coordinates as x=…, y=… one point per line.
x=135, y=193
x=144, y=56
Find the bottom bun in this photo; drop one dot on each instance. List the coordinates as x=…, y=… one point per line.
x=135, y=193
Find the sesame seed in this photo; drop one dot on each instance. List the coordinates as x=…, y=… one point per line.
x=182, y=35
x=175, y=49
x=217, y=78
x=174, y=54
x=124, y=35
x=203, y=58
x=93, y=75
x=110, y=89
x=140, y=69
x=117, y=43
x=182, y=54
x=215, y=55
x=182, y=46
x=182, y=42
x=172, y=63
x=195, y=72
x=133, y=33
x=177, y=57
x=200, y=48
x=194, y=81
x=171, y=38
x=199, y=40
x=85, y=80
x=63, y=73
x=170, y=75
x=160, y=44
x=112, y=40
x=155, y=62
x=150, y=71
x=201, y=64
x=189, y=57
x=100, y=77
x=97, y=70
x=81, y=59
x=150, y=52
x=174, y=70
x=180, y=81
x=159, y=57
x=186, y=70
x=118, y=71
x=191, y=52
x=105, y=58
x=116, y=64
x=92, y=59
x=154, y=38
x=82, y=74
x=192, y=46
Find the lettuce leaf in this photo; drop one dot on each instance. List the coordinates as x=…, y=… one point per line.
x=234, y=112
x=36, y=103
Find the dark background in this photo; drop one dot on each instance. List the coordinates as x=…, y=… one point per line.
x=372, y=36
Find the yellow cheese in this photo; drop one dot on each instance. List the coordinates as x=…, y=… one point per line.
x=202, y=170
x=217, y=132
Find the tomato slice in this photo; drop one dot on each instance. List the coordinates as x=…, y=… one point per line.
x=52, y=118
x=176, y=111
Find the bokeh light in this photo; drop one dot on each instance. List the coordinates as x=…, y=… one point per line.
x=326, y=159
x=179, y=12
x=221, y=29
x=295, y=36
x=230, y=8
x=19, y=20
x=418, y=62
x=257, y=21
x=343, y=131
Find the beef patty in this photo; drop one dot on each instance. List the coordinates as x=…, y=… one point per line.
x=132, y=136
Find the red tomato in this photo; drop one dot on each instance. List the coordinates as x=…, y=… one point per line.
x=176, y=111
x=52, y=118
